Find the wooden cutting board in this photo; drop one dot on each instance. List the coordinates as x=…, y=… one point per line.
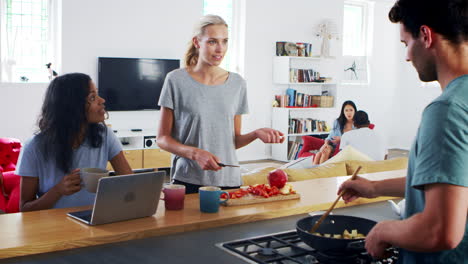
x=259, y=199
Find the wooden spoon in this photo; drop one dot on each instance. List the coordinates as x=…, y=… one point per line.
x=317, y=224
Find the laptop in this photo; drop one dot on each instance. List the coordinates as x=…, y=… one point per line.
x=124, y=197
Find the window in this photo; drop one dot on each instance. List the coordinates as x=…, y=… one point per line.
x=354, y=30
x=232, y=12
x=27, y=40
x=356, y=41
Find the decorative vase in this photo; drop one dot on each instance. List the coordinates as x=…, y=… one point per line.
x=325, y=48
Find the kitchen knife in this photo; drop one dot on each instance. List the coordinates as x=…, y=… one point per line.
x=226, y=165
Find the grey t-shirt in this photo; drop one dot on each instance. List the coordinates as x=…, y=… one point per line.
x=33, y=163
x=204, y=118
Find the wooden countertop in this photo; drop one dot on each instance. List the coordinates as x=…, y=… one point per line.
x=51, y=230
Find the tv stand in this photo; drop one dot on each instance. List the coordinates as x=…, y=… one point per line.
x=137, y=153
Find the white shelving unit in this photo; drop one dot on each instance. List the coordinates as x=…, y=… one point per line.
x=132, y=140
x=281, y=81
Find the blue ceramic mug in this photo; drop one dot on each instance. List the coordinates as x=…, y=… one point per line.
x=210, y=198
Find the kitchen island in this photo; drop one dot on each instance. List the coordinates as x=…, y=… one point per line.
x=31, y=233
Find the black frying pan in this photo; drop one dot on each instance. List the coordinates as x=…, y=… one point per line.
x=334, y=224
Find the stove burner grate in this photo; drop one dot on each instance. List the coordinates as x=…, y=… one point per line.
x=287, y=247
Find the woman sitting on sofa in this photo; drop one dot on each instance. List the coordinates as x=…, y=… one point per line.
x=72, y=135
x=341, y=125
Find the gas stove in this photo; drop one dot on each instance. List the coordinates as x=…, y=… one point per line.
x=287, y=247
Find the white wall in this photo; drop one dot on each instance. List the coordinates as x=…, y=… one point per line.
x=138, y=29
x=19, y=108
x=108, y=28
x=268, y=21
x=394, y=98
x=161, y=29
x=378, y=96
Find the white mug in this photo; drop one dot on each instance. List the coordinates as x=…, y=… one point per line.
x=90, y=177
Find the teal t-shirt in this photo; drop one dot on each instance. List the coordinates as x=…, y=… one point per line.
x=440, y=155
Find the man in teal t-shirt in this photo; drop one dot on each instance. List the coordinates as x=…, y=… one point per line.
x=439, y=156
x=435, y=228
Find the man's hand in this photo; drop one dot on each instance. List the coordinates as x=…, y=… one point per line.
x=375, y=246
x=206, y=160
x=70, y=183
x=268, y=135
x=359, y=187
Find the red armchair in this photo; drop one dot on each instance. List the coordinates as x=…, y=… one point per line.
x=9, y=181
x=312, y=143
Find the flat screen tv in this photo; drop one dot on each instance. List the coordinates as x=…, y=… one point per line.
x=129, y=84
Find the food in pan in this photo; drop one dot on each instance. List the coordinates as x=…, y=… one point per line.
x=346, y=235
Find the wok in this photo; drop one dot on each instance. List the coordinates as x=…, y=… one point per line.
x=334, y=224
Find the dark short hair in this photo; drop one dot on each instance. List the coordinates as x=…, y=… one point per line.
x=361, y=118
x=446, y=17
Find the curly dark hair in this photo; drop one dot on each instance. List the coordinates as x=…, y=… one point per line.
x=63, y=117
x=361, y=119
x=342, y=118
x=446, y=17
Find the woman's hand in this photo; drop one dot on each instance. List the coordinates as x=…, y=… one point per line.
x=70, y=183
x=269, y=135
x=336, y=140
x=327, y=150
x=206, y=160
x=359, y=187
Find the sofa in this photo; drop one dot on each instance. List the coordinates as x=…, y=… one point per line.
x=9, y=181
x=342, y=164
x=311, y=144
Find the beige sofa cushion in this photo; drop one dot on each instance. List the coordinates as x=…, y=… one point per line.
x=327, y=170
x=323, y=171
x=348, y=153
x=257, y=177
x=377, y=166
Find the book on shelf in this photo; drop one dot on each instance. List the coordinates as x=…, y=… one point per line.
x=306, y=76
x=294, y=149
x=296, y=99
x=306, y=125
x=293, y=49
x=292, y=96
x=297, y=152
x=282, y=100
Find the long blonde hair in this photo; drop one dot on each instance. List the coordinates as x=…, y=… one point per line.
x=191, y=56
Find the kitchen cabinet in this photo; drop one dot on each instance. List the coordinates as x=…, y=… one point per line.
x=27, y=239
x=156, y=158
x=168, y=247
x=146, y=158
x=140, y=149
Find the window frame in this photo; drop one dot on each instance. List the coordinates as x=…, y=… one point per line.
x=236, y=47
x=367, y=8
x=53, y=45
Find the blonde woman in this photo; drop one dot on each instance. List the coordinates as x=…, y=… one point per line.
x=201, y=113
